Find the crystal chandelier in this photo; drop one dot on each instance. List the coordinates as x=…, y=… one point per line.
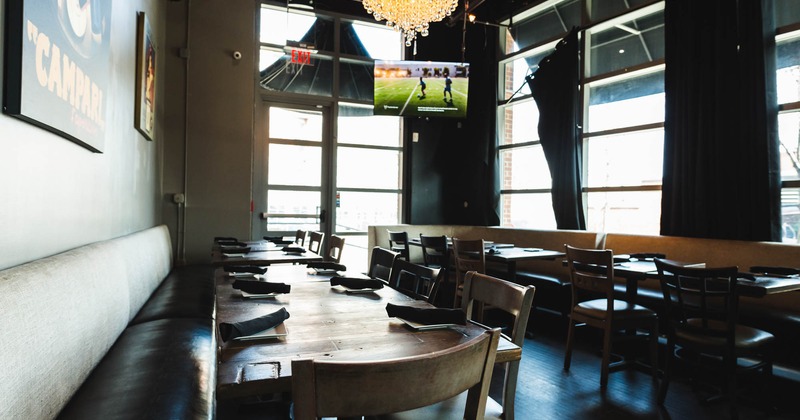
x=410, y=16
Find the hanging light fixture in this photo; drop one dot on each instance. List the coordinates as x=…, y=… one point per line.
x=410, y=16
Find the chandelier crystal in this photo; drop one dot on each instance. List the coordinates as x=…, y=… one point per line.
x=410, y=16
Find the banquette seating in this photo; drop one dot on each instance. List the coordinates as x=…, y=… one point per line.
x=108, y=330
x=778, y=313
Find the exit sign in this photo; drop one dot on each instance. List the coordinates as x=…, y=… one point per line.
x=302, y=57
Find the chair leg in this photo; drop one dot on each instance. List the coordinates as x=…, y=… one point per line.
x=570, y=337
x=654, y=349
x=730, y=367
x=662, y=391
x=510, y=391
x=606, y=356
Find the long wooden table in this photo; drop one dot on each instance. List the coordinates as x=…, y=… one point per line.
x=262, y=253
x=325, y=322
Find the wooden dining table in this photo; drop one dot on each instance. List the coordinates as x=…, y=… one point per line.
x=325, y=322
x=261, y=253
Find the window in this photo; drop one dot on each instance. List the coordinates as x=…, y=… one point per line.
x=787, y=17
x=623, y=114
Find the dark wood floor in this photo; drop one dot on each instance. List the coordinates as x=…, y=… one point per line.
x=546, y=391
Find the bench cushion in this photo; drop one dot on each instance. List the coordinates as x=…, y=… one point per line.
x=188, y=292
x=160, y=369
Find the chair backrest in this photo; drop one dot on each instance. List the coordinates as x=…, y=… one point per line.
x=300, y=237
x=415, y=280
x=591, y=270
x=335, y=248
x=380, y=263
x=398, y=242
x=435, y=252
x=337, y=389
x=481, y=290
x=315, y=241
x=700, y=300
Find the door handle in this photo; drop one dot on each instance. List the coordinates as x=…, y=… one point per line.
x=322, y=215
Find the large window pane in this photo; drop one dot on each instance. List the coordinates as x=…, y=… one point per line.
x=292, y=204
x=628, y=44
x=295, y=165
x=626, y=103
x=357, y=125
x=356, y=80
x=357, y=210
x=525, y=168
x=528, y=211
x=368, y=168
x=551, y=23
x=378, y=42
x=789, y=134
x=790, y=209
x=295, y=124
x=521, y=123
x=624, y=212
x=787, y=12
x=601, y=9
x=516, y=71
x=632, y=159
x=788, y=74
x=280, y=74
x=279, y=26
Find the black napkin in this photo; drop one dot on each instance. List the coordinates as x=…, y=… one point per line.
x=327, y=265
x=278, y=240
x=225, y=239
x=427, y=315
x=294, y=248
x=261, y=287
x=781, y=271
x=229, y=331
x=355, y=283
x=244, y=269
x=644, y=256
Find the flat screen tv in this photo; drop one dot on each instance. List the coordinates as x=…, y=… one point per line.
x=421, y=88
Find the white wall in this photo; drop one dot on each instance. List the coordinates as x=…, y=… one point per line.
x=56, y=195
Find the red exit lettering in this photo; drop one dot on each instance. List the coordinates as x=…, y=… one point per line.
x=301, y=57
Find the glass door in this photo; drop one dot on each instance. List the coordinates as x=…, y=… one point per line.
x=296, y=152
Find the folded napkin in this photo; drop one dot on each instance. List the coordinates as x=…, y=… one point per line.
x=356, y=283
x=327, y=265
x=225, y=239
x=427, y=315
x=229, y=331
x=781, y=271
x=278, y=240
x=261, y=287
x=293, y=248
x=244, y=269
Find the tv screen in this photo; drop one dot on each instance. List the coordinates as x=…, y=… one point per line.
x=421, y=88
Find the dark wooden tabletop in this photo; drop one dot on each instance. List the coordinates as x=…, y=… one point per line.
x=325, y=322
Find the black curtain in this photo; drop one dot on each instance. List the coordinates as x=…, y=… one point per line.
x=721, y=158
x=555, y=89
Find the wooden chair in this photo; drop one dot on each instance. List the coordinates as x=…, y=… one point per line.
x=702, y=309
x=335, y=248
x=300, y=237
x=468, y=255
x=323, y=388
x=398, y=242
x=516, y=300
x=435, y=252
x=592, y=271
x=380, y=263
x=315, y=241
x=415, y=280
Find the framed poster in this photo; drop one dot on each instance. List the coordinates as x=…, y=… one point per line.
x=58, y=67
x=144, y=118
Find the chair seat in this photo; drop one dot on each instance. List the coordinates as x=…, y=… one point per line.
x=445, y=410
x=597, y=308
x=746, y=337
